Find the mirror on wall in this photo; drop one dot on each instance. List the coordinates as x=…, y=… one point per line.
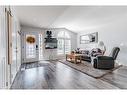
x=89, y=38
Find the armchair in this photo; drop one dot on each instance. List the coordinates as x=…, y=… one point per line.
x=106, y=62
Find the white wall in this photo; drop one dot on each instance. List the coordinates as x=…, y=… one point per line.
x=26, y=29
x=114, y=33
x=109, y=21
x=50, y=54
x=6, y=70
x=73, y=42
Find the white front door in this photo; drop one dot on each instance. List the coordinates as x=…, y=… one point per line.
x=30, y=47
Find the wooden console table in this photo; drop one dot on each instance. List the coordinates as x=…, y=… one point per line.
x=76, y=58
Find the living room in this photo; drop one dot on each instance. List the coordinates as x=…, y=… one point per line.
x=47, y=41
x=102, y=22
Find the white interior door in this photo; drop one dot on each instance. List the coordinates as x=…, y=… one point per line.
x=1, y=63
x=2, y=49
x=31, y=47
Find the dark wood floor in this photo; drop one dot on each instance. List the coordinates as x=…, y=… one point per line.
x=56, y=75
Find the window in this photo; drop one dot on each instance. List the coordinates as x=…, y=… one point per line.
x=60, y=46
x=64, y=43
x=67, y=46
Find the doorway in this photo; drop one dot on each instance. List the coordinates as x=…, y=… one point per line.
x=32, y=47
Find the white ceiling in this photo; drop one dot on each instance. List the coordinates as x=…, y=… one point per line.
x=81, y=18
x=38, y=16
x=75, y=18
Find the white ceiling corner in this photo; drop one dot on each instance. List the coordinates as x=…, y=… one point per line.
x=74, y=18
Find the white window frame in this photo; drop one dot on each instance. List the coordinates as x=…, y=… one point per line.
x=64, y=39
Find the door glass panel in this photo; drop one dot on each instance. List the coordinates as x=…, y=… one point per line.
x=67, y=46
x=60, y=46
x=40, y=46
x=30, y=46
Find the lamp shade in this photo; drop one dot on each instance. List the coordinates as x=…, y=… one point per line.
x=101, y=43
x=102, y=46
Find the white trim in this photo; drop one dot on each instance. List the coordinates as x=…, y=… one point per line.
x=64, y=38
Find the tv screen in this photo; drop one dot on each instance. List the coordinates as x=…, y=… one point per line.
x=50, y=45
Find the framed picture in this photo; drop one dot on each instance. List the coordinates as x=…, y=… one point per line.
x=89, y=38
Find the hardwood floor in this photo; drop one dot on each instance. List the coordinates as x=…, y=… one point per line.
x=117, y=78
x=56, y=75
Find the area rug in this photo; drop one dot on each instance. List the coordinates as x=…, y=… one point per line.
x=87, y=68
x=35, y=64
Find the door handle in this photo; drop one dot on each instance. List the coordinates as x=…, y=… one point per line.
x=36, y=47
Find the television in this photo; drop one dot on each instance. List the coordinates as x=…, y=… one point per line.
x=50, y=43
